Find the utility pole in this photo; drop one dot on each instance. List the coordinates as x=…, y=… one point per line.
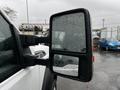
x=111, y=32
x=103, y=22
x=45, y=21
x=27, y=12
x=118, y=32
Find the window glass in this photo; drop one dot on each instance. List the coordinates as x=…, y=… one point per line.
x=6, y=40
x=68, y=33
x=8, y=58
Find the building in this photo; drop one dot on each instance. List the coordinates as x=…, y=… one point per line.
x=34, y=28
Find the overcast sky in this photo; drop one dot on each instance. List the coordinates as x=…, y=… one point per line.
x=41, y=10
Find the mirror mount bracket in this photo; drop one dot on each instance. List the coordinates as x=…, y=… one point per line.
x=31, y=60
x=30, y=40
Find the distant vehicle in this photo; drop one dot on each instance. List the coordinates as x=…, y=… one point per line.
x=96, y=41
x=109, y=44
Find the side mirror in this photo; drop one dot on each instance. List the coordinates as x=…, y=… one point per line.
x=70, y=44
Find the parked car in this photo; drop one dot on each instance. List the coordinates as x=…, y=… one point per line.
x=96, y=41
x=109, y=44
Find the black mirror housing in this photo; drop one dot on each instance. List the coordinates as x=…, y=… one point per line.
x=31, y=40
x=70, y=44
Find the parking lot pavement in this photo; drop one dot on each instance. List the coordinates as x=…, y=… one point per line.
x=106, y=74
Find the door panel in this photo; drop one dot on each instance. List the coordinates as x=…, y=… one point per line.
x=26, y=79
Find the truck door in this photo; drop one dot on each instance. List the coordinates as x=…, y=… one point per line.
x=12, y=76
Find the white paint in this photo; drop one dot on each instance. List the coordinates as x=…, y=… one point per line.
x=26, y=79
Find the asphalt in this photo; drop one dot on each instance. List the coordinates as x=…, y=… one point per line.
x=106, y=74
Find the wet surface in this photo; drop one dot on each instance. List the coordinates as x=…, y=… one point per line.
x=106, y=74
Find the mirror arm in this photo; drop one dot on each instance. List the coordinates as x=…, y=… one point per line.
x=30, y=40
x=31, y=60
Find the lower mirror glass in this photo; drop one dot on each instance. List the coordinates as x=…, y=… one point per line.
x=67, y=65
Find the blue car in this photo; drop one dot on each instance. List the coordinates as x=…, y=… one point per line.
x=108, y=44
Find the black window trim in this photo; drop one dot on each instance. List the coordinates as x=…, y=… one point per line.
x=17, y=49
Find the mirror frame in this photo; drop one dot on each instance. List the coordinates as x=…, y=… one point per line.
x=86, y=74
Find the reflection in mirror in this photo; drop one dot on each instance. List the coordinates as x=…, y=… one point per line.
x=68, y=33
x=67, y=65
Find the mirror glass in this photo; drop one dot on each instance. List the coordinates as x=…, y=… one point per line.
x=68, y=33
x=67, y=65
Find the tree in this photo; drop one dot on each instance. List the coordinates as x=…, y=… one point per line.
x=10, y=12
